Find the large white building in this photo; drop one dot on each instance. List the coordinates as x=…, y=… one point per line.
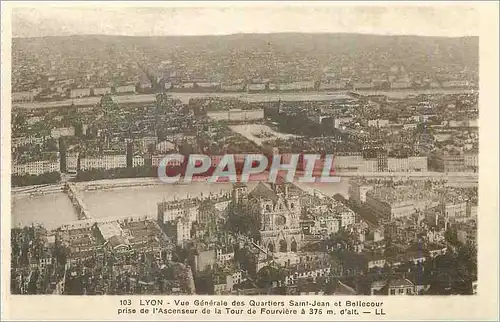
x=137, y=161
x=24, y=140
x=22, y=96
x=106, y=161
x=170, y=211
x=36, y=167
x=347, y=162
x=402, y=201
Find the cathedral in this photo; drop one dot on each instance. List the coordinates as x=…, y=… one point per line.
x=278, y=207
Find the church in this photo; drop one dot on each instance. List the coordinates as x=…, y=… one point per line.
x=278, y=207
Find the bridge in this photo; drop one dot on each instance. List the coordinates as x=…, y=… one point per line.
x=76, y=200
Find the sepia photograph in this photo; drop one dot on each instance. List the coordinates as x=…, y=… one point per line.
x=259, y=150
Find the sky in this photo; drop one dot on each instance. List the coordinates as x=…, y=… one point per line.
x=429, y=19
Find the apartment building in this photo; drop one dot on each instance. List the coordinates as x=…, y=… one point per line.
x=107, y=161
x=36, y=167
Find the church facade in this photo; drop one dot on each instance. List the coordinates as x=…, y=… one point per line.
x=279, y=211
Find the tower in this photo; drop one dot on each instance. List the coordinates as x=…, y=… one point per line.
x=239, y=193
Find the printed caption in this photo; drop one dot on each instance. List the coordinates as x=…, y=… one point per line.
x=290, y=307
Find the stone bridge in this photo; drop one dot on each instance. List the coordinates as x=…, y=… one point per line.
x=77, y=201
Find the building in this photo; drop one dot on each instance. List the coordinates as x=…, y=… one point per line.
x=22, y=97
x=413, y=164
x=397, y=164
x=449, y=162
x=279, y=211
x=338, y=122
x=454, y=207
x=213, y=85
x=400, y=84
x=171, y=210
x=397, y=286
x=471, y=210
x=332, y=85
x=72, y=162
x=102, y=91
x=256, y=87
x=157, y=159
x=296, y=86
x=398, y=202
x=79, y=92
x=237, y=115
x=125, y=89
x=324, y=224
x=418, y=164
x=346, y=216
x=204, y=259
x=378, y=123
x=224, y=255
x=183, y=226
x=36, y=167
x=106, y=161
x=358, y=190
x=109, y=230
x=23, y=140
x=232, y=87
x=369, y=165
x=471, y=162
x=137, y=161
x=56, y=133
x=467, y=234
x=455, y=83
x=165, y=147
x=347, y=163
x=361, y=85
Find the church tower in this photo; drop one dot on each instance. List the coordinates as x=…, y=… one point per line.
x=239, y=193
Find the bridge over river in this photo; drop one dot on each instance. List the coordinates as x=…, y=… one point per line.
x=77, y=201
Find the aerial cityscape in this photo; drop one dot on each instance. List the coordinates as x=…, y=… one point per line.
x=93, y=116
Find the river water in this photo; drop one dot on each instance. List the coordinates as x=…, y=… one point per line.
x=53, y=210
x=50, y=210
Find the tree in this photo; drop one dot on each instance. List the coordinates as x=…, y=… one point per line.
x=246, y=260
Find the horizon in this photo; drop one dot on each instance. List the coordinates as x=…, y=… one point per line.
x=447, y=21
x=247, y=34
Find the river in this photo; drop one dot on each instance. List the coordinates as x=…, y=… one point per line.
x=50, y=210
x=248, y=97
x=53, y=210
